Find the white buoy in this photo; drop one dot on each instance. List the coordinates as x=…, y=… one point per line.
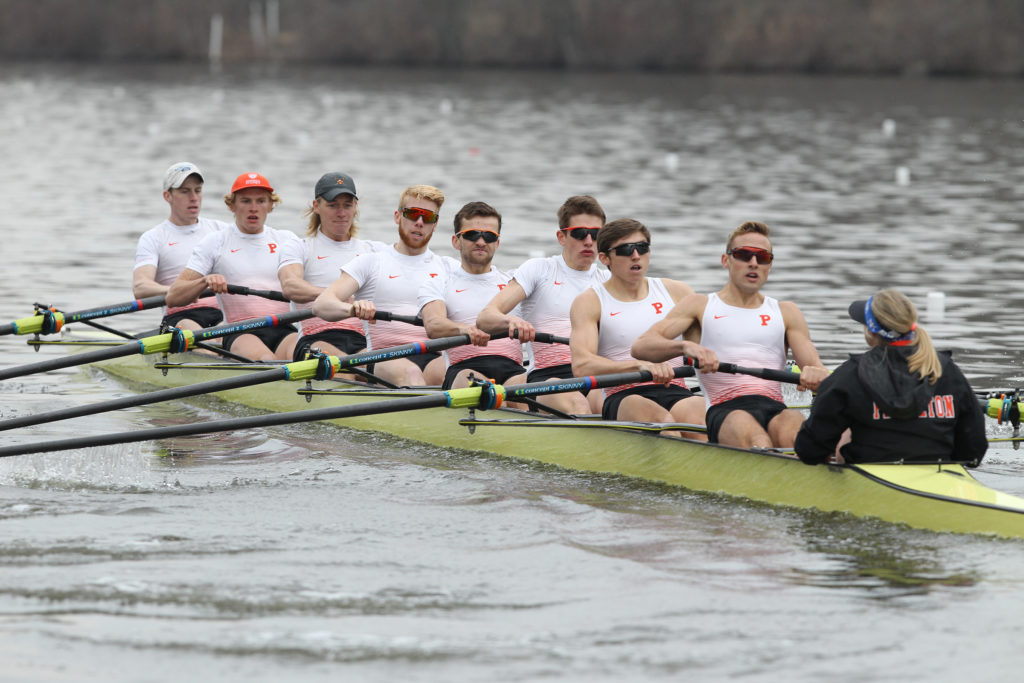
x=902, y=176
x=888, y=128
x=936, y=307
x=446, y=107
x=671, y=162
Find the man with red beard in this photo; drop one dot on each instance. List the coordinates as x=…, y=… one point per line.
x=390, y=280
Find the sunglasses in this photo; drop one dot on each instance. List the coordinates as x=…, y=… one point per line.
x=628, y=248
x=415, y=214
x=581, y=233
x=744, y=254
x=474, y=235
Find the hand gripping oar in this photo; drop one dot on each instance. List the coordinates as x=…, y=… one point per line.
x=175, y=341
x=50, y=320
x=482, y=396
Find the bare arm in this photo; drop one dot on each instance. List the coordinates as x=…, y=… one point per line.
x=798, y=339
x=294, y=286
x=437, y=324
x=144, y=283
x=494, y=317
x=660, y=342
x=191, y=284
x=333, y=303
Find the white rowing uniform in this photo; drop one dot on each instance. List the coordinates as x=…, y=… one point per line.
x=551, y=286
x=621, y=322
x=750, y=337
x=168, y=247
x=247, y=260
x=464, y=295
x=392, y=281
x=321, y=259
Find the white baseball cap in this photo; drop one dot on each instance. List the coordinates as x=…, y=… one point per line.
x=178, y=172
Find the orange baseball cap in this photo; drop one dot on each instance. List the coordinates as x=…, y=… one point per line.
x=247, y=180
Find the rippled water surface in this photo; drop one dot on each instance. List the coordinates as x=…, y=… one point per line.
x=314, y=553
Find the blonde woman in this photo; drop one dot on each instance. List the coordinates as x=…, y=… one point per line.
x=901, y=400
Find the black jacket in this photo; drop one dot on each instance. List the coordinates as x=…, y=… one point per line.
x=892, y=414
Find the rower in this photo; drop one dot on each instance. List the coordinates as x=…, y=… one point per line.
x=545, y=289
x=900, y=401
x=245, y=254
x=390, y=280
x=450, y=303
x=310, y=265
x=740, y=325
x=163, y=250
x=606, y=319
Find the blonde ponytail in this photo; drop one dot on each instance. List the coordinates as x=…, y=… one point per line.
x=895, y=312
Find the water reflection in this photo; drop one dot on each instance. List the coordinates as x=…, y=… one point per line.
x=882, y=561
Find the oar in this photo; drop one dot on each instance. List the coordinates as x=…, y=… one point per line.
x=542, y=337
x=483, y=397
x=763, y=373
x=170, y=342
x=50, y=320
x=323, y=367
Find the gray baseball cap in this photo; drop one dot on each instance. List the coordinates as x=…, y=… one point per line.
x=178, y=172
x=331, y=185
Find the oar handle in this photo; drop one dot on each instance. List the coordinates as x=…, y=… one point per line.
x=545, y=338
x=763, y=373
x=397, y=317
x=266, y=294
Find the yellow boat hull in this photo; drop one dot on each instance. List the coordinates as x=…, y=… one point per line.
x=940, y=498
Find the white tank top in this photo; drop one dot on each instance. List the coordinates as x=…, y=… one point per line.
x=621, y=322
x=751, y=337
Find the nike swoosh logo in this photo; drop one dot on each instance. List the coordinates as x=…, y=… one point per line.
x=557, y=283
x=459, y=291
x=171, y=244
x=321, y=258
x=392, y=277
x=234, y=250
x=615, y=313
x=720, y=316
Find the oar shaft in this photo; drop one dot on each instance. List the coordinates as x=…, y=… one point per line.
x=456, y=398
x=252, y=324
x=247, y=380
x=440, y=399
x=120, y=351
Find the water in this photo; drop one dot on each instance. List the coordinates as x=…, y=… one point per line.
x=312, y=553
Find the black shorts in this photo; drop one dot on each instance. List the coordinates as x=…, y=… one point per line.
x=664, y=396
x=422, y=360
x=270, y=336
x=563, y=371
x=206, y=316
x=496, y=368
x=762, y=408
x=348, y=341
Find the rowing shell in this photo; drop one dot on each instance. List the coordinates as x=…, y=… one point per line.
x=937, y=497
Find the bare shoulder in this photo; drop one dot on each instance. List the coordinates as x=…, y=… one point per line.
x=677, y=288
x=791, y=314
